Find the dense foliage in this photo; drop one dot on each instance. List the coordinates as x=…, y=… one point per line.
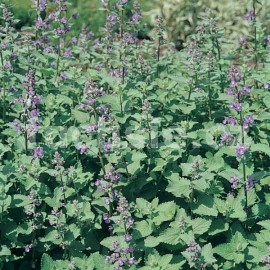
x=122, y=153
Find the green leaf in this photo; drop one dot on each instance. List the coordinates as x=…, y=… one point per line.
x=264, y=148
x=5, y=251
x=47, y=262
x=151, y=241
x=200, y=225
x=142, y=229
x=207, y=254
x=204, y=206
x=19, y=200
x=81, y=117
x=265, y=224
x=164, y=261
x=219, y=225
x=179, y=187
x=171, y=236
x=166, y=211
x=137, y=141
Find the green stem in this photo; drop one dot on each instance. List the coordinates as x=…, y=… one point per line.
x=209, y=95
x=219, y=65
x=58, y=60
x=99, y=146
x=158, y=56
x=4, y=89
x=255, y=35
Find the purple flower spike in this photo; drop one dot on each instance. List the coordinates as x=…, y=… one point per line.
x=234, y=76
x=229, y=121
x=241, y=150
x=38, y=152
x=248, y=121
x=83, y=148
x=91, y=128
x=249, y=183
x=128, y=237
x=17, y=125
x=236, y=106
x=250, y=15
x=226, y=138
x=107, y=147
x=235, y=181
x=246, y=90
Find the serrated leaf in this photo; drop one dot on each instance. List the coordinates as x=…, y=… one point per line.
x=265, y=224
x=200, y=225
x=170, y=236
x=207, y=254
x=151, y=241
x=179, y=187
x=136, y=140
x=47, y=262
x=142, y=229
x=205, y=206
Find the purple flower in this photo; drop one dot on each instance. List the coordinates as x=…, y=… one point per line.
x=242, y=40
x=17, y=125
x=128, y=237
x=7, y=66
x=38, y=152
x=83, y=148
x=241, y=150
x=104, y=3
x=107, y=147
x=229, y=121
x=246, y=90
x=236, y=106
x=248, y=121
x=74, y=40
x=226, y=138
x=249, y=183
x=266, y=86
x=235, y=181
x=40, y=24
x=91, y=128
x=63, y=76
x=250, y=15
x=229, y=92
x=132, y=260
x=136, y=17
x=234, y=76
x=34, y=113
x=107, y=200
x=42, y=5
x=130, y=221
x=106, y=217
x=33, y=125
x=67, y=53
x=27, y=248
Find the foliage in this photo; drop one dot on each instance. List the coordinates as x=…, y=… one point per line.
x=124, y=153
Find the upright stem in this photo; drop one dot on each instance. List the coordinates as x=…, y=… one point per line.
x=209, y=95
x=219, y=65
x=4, y=89
x=244, y=165
x=121, y=56
x=158, y=56
x=25, y=133
x=58, y=60
x=99, y=146
x=63, y=186
x=255, y=35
